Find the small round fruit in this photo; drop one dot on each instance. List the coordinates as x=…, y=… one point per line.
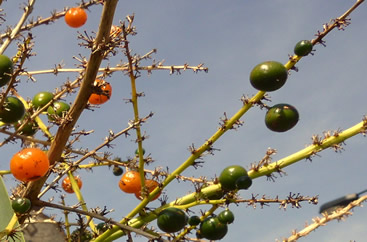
x=171, y=220
x=29, y=164
x=12, y=110
x=243, y=182
x=102, y=227
x=211, y=228
x=21, y=205
x=6, y=70
x=150, y=185
x=29, y=129
x=76, y=17
x=41, y=99
x=66, y=184
x=59, y=109
x=229, y=176
x=281, y=117
x=102, y=92
x=226, y=217
x=81, y=235
x=268, y=76
x=130, y=182
x=137, y=152
x=117, y=171
x=194, y=220
x=303, y=48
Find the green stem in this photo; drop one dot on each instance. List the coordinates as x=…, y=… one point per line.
x=78, y=194
x=309, y=150
x=134, y=101
x=263, y=171
x=67, y=223
x=190, y=161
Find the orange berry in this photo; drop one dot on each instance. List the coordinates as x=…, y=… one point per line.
x=150, y=185
x=102, y=93
x=76, y=17
x=29, y=164
x=130, y=182
x=66, y=184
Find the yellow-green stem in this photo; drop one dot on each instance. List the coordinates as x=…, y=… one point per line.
x=13, y=221
x=78, y=194
x=4, y=172
x=309, y=151
x=190, y=161
x=134, y=100
x=67, y=223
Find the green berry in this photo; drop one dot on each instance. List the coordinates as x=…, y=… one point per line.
x=211, y=228
x=281, y=117
x=137, y=152
x=21, y=205
x=6, y=70
x=194, y=220
x=268, y=76
x=41, y=99
x=303, y=48
x=59, y=109
x=171, y=220
x=243, y=182
x=226, y=216
x=117, y=171
x=229, y=176
x=12, y=110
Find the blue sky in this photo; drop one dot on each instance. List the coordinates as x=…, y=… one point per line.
x=230, y=37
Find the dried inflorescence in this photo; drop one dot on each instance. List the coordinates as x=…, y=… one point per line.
x=293, y=199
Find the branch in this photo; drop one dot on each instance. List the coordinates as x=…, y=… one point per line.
x=97, y=216
x=337, y=215
x=81, y=100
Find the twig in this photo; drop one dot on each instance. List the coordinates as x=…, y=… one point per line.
x=339, y=214
x=97, y=216
x=27, y=11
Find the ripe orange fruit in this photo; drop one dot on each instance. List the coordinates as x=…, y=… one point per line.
x=76, y=17
x=102, y=92
x=66, y=184
x=151, y=185
x=130, y=182
x=29, y=164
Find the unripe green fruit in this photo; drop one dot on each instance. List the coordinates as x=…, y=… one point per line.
x=194, y=220
x=59, y=109
x=12, y=110
x=41, y=99
x=229, y=176
x=303, y=48
x=268, y=76
x=211, y=228
x=21, y=205
x=281, y=117
x=171, y=220
x=6, y=70
x=226, y=216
